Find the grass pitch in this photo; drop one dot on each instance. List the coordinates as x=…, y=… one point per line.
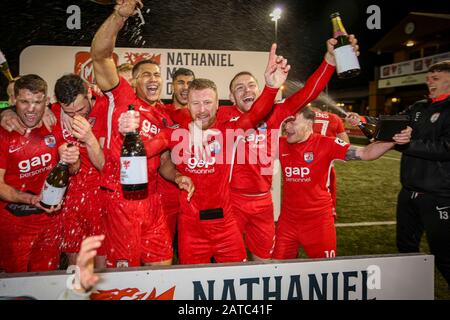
x=367, y=192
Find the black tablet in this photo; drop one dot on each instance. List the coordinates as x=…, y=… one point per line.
x=388, y=126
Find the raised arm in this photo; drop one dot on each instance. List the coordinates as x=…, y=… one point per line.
x=315, y=84
x=105, y=40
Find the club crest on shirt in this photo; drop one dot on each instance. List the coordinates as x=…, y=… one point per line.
x=215, y=147
x=92, y=120
x=435, y=117
x=50, y=141
x=262, y=126
x=308, y=156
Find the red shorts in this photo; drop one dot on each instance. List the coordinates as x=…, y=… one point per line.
x=81, y=217
x=316, y=235
x=136, y=231
x=171, y=208
x=29, y=243
x=201, y=240
x=254, y=216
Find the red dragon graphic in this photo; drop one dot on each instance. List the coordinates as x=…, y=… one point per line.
x=132, y=294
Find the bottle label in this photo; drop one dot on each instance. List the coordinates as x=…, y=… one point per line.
x=345, y=59
x=2, y=58
x=133, y=170
x=52, y=196
x=338, y=34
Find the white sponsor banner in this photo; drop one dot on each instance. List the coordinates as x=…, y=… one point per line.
x=403, y=81
x=376, y=277
x=411, y=66
x=51, y=62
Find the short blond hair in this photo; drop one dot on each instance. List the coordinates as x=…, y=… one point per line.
x=201, y=84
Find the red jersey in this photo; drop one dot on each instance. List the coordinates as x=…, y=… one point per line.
x=152, y=120
x=98, y=116
x=88, y=176
x=27, y=159
x=252, y=169
x=168, y=187
x=210, y=172
x=170, y=108
x=328, y=124
x=306, y=166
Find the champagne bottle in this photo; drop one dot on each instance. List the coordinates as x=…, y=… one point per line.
x=347, y=64
x=55, y=185
x=133, y=162
x=367, y=128
x=4, y=67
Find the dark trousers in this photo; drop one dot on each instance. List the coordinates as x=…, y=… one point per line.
x=419, y=212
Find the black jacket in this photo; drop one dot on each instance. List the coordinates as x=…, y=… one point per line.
x=425, y=165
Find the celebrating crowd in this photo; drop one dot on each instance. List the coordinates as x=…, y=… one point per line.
x=208, y=186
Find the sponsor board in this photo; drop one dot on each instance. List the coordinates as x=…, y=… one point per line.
x=385, y=277
x=402, y=81
x=411, y=66
x=51, y=62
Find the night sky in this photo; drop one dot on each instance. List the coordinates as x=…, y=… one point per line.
x=214, y=25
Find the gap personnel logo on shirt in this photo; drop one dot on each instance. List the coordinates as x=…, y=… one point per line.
x=308, y=156
x=40, y=161
x=50, y=141
x=149, y=128
x=256, y=138
x=435, y=117
x=194, y=163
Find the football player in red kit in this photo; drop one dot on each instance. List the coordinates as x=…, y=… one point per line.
x=251, y=178
x=330, y=125
x=86, y=124
x=170, y=193
x=29, y=233
x=306, y=214
x=207, y=228
x=136, y=230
